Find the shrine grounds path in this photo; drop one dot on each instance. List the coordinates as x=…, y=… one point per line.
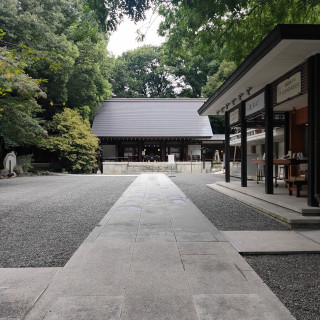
x=45, y=219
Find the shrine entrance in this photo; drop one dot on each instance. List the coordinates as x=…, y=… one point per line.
x=152, y=152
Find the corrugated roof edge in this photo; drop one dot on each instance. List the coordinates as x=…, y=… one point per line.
x=154, y=99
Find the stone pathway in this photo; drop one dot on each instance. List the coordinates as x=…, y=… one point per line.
x=250, y=242
x=154, y=256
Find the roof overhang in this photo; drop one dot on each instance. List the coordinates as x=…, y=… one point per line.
x=286, y=47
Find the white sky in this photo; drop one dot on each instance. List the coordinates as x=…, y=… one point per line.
x=124, y=38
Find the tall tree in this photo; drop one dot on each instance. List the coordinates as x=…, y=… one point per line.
x=88, y=84
x=110, y=13
x=67, y=34
x=235, y=27
x=218, y=78
x=19, y=124
x=140, y=73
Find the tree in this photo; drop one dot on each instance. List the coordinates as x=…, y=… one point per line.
x=140, y=73
x=218, y=78
x=234, y=27
x=71, y=138
x=19, y=124
x=192, y=68
x=109, y=13
x=88, y=85
x=68, y=36
x=217, y=124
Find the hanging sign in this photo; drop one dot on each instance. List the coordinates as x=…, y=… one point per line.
x=255, y=104
x=289, y=88
x=234, y=116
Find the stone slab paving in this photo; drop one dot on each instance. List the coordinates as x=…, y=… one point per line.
x=274, y=241
x=21, y=287
x=154, y=256
x=311, y=234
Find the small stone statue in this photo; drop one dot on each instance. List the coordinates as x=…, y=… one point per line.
x=216, y=156
x=10, y=161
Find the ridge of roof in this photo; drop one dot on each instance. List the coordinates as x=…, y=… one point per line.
x=154, y=99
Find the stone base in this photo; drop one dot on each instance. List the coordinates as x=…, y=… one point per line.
x=142, y=167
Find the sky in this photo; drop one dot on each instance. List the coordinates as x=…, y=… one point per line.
x=124, y=38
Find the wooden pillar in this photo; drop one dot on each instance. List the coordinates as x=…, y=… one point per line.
x=244, y=171
x=117, y=151
x=227, y=146
x=286, y=132
x=286, y=139
x=163, y=150
x=268, y=140
x=313, y=130
x=140, y=148
x=186, y=151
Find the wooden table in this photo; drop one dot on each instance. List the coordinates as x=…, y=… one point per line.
x=276, y=162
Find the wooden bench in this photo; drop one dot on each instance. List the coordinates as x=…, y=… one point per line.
x=295, y=184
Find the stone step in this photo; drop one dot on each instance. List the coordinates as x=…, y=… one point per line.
x=151, y=168
x=289, y=217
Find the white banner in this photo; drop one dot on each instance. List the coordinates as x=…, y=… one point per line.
x=234, y=116
x=255, y=104
x=289, y=88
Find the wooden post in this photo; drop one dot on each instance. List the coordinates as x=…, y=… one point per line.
x=313, y=130
x=244, y=171
x=227, y=146
x=268, y=140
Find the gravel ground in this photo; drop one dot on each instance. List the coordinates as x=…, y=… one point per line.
x=224, y=212
x=43, y=220
x=293, y=278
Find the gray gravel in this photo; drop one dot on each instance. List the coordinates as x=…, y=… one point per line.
x=43, y=220
x=293, y=278
x=224, y=212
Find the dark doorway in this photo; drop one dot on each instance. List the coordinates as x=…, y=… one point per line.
x=152, y=152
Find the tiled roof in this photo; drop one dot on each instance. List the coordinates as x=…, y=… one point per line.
x=127, y=118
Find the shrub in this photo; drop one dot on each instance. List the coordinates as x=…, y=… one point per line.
x=71, y=137
x=25, y=162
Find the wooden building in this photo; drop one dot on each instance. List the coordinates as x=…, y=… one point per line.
x=138, y=130
x=277, y=86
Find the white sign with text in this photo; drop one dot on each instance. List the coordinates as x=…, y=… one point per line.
x=234, y=116
x=255, y=104
x=289, y=88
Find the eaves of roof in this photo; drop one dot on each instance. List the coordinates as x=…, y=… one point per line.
x=284, y=48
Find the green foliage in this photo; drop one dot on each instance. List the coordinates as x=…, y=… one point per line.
x=217, y=124
x=202, y=34
x=109, y=13
x=25, y=162
x=232, y=27
x=88, y=84
x=18, y=122
x=140, y=73
x=217, y=79
x=69, y=46
x=71, y=138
